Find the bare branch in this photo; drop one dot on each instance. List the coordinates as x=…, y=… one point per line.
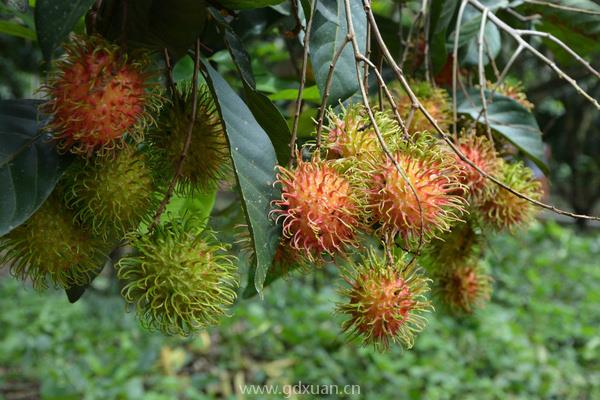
x=482, y=80
x=563, y=7
x=461, y=11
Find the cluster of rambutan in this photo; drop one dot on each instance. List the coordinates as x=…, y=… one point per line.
x=101, y=102
x=418, y=198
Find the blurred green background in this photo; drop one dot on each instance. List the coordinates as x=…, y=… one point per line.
x=538, y=338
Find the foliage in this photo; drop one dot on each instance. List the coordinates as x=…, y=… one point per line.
x=537, y=339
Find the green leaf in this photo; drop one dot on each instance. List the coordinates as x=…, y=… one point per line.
x=310, y=93
x=254, y=161
x=245, y=4
x=265, y=112
x=442, y=12
x=14, y=29
x=54, y=19
x=509, y=119
x=30, y=165
x=328, y=32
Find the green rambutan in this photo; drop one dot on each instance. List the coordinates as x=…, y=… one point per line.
x=463, y=289
x=208, y=160
x=179, y=278
x=318, y=208
x=480, y=151
x=112, y=195
x=51, y=247
x=501, y=209
x=434, y=177
x=353, y=135
x=98, y=95
x=435, y=101
x=384, y=301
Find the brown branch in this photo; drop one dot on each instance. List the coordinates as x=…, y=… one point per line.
x=302, y=80
x=188, y=141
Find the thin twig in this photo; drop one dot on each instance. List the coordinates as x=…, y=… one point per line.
x=563, y=7
x=169, y=72
x=461, y=11
x=482, y=80
x=365, y=96
x=327, y=89
x=188, y=141
x=427, y=59
x=411, y=30
x=302, y=80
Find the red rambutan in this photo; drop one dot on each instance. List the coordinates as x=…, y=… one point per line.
x=394, y=205
x=480, y=151
x=98, y=94
x=318, y=208
x=384, y=301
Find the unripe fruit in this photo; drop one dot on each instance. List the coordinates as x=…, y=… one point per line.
x=480, y=151
x=435, y=101
x=384, y=302
x=396, y=208
x=455, y=247
x=503, y=210
x=353, y=135
x=463, y=289
x=179, y=279
x=318, y=208
x=208, y=160
x=112, y=195
x=51, y=248
x=98, y=95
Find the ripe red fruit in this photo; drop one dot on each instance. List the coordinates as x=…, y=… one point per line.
x=395, y=207
x=97, y=96
x=385, y=301
x=480, y=151
x=318, y=208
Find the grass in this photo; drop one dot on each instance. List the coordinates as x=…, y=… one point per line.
x=537, y=339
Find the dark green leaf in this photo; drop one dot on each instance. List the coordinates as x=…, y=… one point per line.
x=30, y=166
x=155, y=24
x=74, y=293
x=54, y=19
x=442, y=12
x=310, y=93
x=509, y=119
x=243, y=4
x=254, y=161
x=328, y=33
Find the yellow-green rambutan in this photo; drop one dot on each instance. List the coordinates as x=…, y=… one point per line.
x=515, y=91
x=435, y=101
x=208, y=160
x=50, y=247
x=112, y=195
x=179, y=278
x=425, y=201
x=352, y=134
x=318, y=208
x=480, y=151
x=98, y=95
x=463, y=289
x=501, y=209
x=453, y=248
x=384, y=301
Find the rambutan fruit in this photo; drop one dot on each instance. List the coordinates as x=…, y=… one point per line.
x=51, y=248
x=462, y=242
x=515, y=91
x=435, y=101
x=353, y=134
x=501, y=209
x=480, y=151
x=208, y=160
x=433, y=177
x=384, y=301
x=318, y=208
x=99, y=95
x=112, y=195
x=463, y=289
x=179, y=278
